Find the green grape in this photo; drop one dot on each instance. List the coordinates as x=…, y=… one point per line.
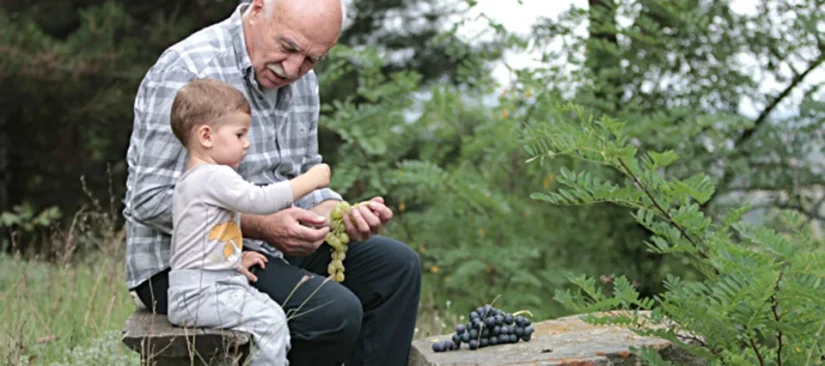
x=338, y=239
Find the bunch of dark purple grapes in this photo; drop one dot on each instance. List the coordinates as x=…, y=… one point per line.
x=488, y=326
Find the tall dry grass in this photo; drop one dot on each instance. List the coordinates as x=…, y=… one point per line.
x=67, y=303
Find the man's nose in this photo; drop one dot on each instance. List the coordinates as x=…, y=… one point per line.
x=292, y=65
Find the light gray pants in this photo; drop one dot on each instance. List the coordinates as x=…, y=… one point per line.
x=225, y=300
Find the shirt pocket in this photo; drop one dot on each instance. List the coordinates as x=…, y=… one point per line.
x=294, y=138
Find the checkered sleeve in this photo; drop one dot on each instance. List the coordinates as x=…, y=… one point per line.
x=161, y=158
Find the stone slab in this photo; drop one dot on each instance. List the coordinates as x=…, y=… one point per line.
x=154, y=337
x=563, y=341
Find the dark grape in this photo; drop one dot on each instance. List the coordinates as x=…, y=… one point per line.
x=488, y=326
x=473, y=344
x=490, y=322
x=438, y=347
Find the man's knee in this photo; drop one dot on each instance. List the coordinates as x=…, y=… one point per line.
x=348, y=313
x=402, y=257
x=340, y=316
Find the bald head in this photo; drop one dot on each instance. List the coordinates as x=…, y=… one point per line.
x=325, y=6
x=285, y=39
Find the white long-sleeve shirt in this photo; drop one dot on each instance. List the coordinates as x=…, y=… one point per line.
x=206, y=207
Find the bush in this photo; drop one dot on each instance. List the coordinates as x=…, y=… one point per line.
x=761, y=296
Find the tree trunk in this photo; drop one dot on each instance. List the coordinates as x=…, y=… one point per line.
x=4, y=176
x=602, y=28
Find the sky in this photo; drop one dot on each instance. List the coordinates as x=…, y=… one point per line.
x=519, y=17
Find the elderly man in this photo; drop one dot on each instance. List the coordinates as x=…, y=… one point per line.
x=267, y=49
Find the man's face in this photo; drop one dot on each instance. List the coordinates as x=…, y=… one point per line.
x=288, y=44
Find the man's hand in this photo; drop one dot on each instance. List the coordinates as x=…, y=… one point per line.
x=293, y=231
x=249, y=259
x=365, y=221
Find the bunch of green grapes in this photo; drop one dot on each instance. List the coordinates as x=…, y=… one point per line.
x=338, y=239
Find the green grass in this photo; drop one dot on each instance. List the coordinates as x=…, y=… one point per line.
x=72, y=314
x=56, y=314
x=68, y=308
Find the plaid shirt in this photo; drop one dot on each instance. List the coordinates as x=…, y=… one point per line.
x=283, y=138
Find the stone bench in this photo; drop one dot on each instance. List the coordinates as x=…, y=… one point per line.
x=160, y=343
x=563, y=341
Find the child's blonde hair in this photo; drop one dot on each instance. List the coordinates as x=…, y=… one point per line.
x=204, y=101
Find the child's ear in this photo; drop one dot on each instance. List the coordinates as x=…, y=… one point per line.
x=204, y=134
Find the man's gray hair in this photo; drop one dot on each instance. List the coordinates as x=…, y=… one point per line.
x=269, y=5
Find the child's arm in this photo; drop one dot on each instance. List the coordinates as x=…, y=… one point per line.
x=228, y=189
x=316, y=177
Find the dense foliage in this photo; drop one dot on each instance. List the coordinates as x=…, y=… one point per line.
x=761, y=294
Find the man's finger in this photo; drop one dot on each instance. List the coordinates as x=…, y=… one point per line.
x=352, y=231
x=359, y=221
x=382, y=211
x=372, y=220
x=309, y=217
x=308, y=234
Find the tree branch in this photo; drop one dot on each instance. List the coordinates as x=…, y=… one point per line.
x=756, y=350
x=662, y=210
x=763, y=117
x=774, y=305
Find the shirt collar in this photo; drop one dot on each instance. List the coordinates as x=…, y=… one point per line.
x=236, y=33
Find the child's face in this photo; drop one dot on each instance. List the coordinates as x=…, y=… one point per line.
x=230, y=141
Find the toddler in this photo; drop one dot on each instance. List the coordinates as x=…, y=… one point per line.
x=208, y=282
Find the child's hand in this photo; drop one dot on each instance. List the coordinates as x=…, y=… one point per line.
x=249, y=259
x=320, y=175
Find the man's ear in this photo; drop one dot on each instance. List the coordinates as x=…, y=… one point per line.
x=204, y=135
x=256, y=8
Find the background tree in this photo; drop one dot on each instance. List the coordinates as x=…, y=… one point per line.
x=70, y=69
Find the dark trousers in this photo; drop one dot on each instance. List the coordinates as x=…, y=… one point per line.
x=368, y=319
